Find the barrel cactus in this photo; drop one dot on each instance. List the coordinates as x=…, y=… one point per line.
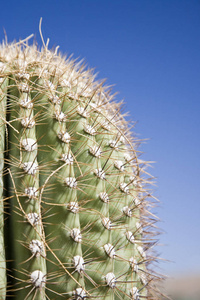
x=75, y=219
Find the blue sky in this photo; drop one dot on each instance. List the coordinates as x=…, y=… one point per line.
x=150, y=50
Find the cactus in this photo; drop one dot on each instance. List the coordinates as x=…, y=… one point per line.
x=75, y=220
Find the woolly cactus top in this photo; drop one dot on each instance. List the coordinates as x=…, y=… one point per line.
x=76, y=192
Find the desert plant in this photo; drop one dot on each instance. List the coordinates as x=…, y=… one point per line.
x=75, y=220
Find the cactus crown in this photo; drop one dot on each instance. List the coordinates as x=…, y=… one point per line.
x=72, y=184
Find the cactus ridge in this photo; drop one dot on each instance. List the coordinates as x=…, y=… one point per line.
x=73, y=185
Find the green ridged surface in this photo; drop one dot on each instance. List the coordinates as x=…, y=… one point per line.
x=77, y=191
x=3, y=90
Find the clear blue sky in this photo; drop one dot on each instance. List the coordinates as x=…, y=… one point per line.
x=151, y=51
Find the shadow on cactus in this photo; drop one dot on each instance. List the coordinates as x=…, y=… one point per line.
x=75, y=220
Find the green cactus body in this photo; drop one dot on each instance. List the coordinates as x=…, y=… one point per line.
x=71, y=184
